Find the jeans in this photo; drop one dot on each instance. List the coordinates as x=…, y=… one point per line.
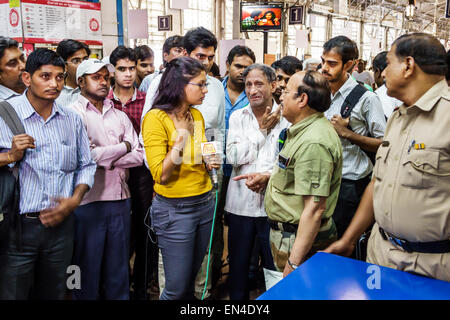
x=183, y=228
x=38, y=271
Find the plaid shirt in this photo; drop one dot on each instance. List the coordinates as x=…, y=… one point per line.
x=133, y=108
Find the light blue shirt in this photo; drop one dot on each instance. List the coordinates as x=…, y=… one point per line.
x=366, y=119
x=145, y=84
x=6, y=93
x=61, y=160
x=240, y=102
x=68, y=96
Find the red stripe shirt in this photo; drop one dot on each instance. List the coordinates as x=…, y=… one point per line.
x=133, y=108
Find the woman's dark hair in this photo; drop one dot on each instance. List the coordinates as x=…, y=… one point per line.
x=273, y=15
x=122, y=52
x=68, y=47
x=178, y=73
x=316, y=87
x=199, y=37
x=238, y=51
x=42, y=57
x=426, y=50
x=6, y=43
x=143, y=52
x=345, y=47
x=380, y=61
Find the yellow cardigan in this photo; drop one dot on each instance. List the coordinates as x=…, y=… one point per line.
x=159, y=134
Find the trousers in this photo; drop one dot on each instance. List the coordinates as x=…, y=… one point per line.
x=182, y=227
x=102, y=240
x=38, y=271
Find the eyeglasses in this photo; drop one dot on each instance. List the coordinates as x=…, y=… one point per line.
x=201, y=85
x=284, y=91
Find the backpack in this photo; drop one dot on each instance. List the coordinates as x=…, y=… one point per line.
x=9, y=179
x=346, y=109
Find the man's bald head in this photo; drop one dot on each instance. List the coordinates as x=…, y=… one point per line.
x=316, y=86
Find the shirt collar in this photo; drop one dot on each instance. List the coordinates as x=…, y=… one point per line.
x=85, y=103
x=9, y=92
x=136, y=95
x=249, y=110
x=436, y=92
x=346, y=87
x=27, y=109
x=224, y=82
x=302, y=125
x=71, y=90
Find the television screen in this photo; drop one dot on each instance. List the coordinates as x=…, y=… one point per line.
x=261, y=17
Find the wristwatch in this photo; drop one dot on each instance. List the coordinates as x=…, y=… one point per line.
x=180, y=150
x=292, y=265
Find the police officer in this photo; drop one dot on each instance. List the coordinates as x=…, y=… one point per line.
x=409, y=195
x=303, y=189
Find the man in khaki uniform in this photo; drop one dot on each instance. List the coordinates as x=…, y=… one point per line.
x=303, y=189
x=409, y=195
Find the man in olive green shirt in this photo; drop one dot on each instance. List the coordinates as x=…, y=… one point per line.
x=303, y=189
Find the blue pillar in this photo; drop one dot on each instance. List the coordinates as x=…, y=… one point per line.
x=119, y=22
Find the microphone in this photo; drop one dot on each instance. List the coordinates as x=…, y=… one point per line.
x=209, y=149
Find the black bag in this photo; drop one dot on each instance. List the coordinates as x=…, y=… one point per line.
x=9, y=179
x=346, y=109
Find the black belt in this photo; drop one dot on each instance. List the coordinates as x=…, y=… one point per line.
x=442, y=246
x=31, y=215
x=289, y=227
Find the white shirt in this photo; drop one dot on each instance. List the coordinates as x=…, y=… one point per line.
x=364, y=77
x=248, y=150
x=367, y=118
x=212, y=108
x=7, y=93
x=68, y=96
x=387, y=102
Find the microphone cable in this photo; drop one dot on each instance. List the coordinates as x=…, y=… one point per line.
x=210, y=244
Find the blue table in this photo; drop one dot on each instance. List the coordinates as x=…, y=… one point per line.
x=330, y=277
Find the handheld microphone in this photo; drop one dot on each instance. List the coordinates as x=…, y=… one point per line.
x=208, y=149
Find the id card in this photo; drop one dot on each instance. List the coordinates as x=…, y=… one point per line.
x=283, y=162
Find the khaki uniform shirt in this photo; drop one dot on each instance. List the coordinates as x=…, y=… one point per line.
x=411, y=196
x=312, y=166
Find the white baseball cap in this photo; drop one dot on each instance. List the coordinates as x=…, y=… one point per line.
x=91, y=66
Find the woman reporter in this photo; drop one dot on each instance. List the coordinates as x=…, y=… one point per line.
x=182, y=210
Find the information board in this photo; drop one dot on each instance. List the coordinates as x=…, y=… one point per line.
x=49, y=21
x=10, y=20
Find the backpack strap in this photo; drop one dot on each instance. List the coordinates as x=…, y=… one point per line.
x=11, y=118
x=351, y=100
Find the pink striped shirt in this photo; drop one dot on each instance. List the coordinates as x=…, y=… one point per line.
x=107, y=132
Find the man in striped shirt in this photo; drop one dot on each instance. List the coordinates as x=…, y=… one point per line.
x=362, y=131
x=55, y=172
x=12, y=64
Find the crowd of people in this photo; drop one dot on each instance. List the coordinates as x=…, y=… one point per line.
x=311, y=155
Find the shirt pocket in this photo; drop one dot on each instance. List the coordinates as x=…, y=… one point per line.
x=380, y=163
x=420, y=169
x=68, y=158
x=283, y=180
